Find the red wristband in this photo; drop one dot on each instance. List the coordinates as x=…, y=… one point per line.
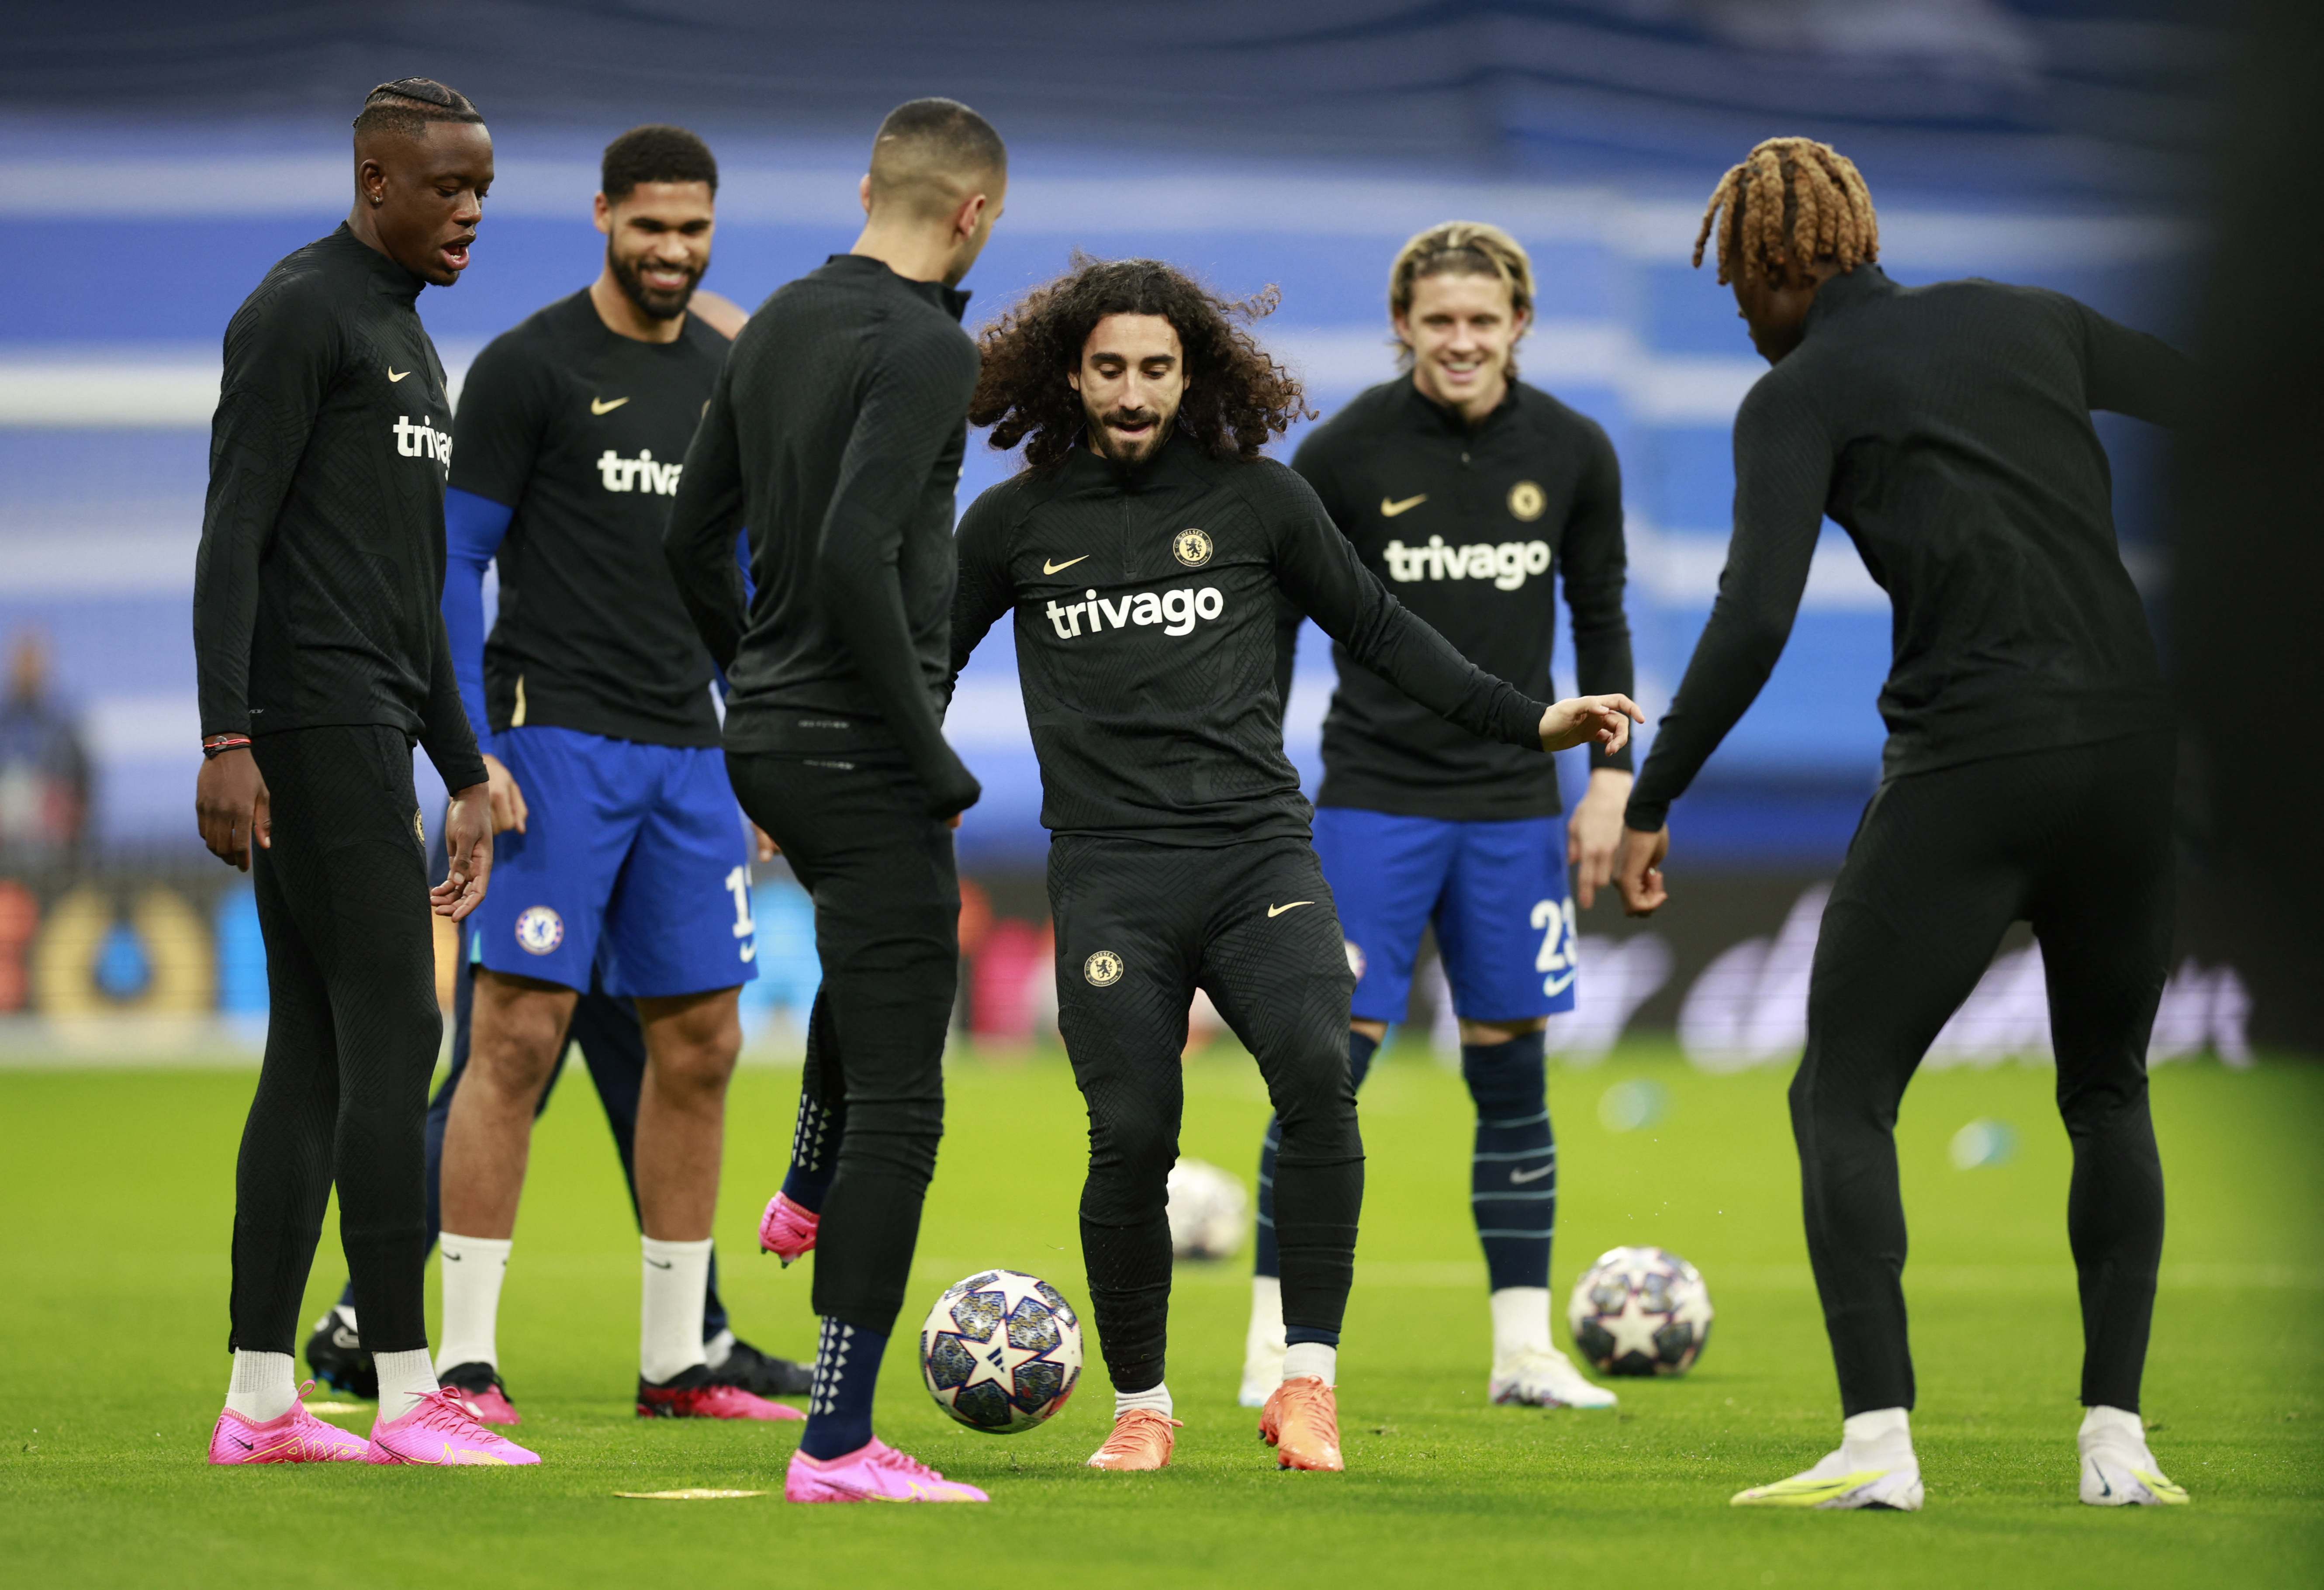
x=212, y=745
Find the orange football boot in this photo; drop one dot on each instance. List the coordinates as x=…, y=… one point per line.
x=1140, y=1439
x=1301, y=1422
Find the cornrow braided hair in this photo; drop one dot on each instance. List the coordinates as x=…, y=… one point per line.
x=1792, y=201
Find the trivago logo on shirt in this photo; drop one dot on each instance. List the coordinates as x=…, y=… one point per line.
x=1505, y=565
x=1176, y=611
x=641, y=473
x=422, y=440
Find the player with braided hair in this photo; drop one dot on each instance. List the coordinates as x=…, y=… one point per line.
x=2028, y=769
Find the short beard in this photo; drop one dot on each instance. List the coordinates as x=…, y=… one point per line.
x=1103, y=443
x=659, y=306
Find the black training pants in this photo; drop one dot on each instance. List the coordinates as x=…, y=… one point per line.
x=2076, y=841
x=887, y=929
x=1139, y=927
x=351, y=1039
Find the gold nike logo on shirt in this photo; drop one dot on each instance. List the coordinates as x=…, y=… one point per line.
x=1275, y=911
x=1390, y=510
x=394, y=374
x=1050, y=568
x=600, y=406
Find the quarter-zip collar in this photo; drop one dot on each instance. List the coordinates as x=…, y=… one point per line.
x=1426, y=413
x=388, y=279
x=952, y=301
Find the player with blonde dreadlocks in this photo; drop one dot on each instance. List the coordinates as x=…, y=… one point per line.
x=2028, y=775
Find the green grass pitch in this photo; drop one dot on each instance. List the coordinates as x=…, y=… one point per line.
x=113, y=1329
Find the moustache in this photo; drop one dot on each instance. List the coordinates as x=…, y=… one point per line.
x=1130, y=417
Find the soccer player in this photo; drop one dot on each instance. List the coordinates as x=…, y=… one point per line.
x=1148, y=552
x=622, y=852
x=2027, y=774
x=321, y=658
x=1465, y=490
x=835, y=433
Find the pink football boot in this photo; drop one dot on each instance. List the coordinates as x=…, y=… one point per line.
x=874, y=1472
x=295, y=1436
x=439, y=1431
x=786, y=1230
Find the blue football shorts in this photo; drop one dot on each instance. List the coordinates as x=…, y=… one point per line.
x=634, y=859
x=1496, y=893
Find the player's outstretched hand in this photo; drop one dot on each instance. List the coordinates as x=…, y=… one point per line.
x=507, y=796
x=1640, y=875
x=1590, y=720
x=468, y=837
x=1593, y=834
x=230, y=806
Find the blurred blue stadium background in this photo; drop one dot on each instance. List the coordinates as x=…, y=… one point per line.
x=158, y=158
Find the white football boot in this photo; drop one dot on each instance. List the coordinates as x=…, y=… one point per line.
x=1262, y=1347
x=2117, y=1470
x=1875, y=1467
x=1544, y=1378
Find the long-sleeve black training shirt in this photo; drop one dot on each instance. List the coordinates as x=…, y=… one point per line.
x=835, y=433
x=1148, y=644
x=1475, y=528
x=321, y=568
x=1947, y=428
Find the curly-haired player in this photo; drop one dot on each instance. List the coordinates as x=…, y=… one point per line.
x=1152, y=558
x=1947, y=428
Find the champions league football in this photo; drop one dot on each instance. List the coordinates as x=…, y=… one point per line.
x=1640, y=1311
x=1001, y=1351
x=1209, y=1212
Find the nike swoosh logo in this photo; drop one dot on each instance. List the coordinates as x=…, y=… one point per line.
x=392, y=375
x=1050, y=568
x=1390, y=510
x=750, y=953
x=238, y=1441
x=1275, y=911
x=663, y=1263
x=1521, y=1177
x=451, y=1258
x=599, y=405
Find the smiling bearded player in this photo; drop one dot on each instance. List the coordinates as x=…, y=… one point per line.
x=623, y=854
x=1148, y=551
x=1463, y=489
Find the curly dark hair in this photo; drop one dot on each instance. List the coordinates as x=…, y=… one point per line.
x=1237, y=395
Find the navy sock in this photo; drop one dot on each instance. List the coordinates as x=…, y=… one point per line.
x=839, y=1407
x=1294, y=1335
x=1513, y=1172
x=1265, y=1258
x=814, y=1156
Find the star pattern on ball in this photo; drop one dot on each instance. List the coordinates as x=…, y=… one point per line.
x=996, y=1360
x=1633, y=1329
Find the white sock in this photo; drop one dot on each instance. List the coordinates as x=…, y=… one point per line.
x=1880, y=1439
x=2102, y=1423
x=1266, y=1314
x=1157, y=1399
x=1520, y=1321
x=669, y=1328
x=473, y=1268
x=718, y=1348
x=403, y=1379
x=1312, y=1358
x=263, y=1386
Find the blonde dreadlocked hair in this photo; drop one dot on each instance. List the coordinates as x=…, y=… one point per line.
x=1792, y=201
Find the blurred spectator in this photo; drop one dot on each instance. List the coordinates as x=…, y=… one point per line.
x=43, y=766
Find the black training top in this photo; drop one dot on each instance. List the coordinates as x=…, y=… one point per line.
x=1947, y=428
x=1467, y=527
x=316, y=590
x=1148, y=642
x=583, y=431
x=835, y=432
